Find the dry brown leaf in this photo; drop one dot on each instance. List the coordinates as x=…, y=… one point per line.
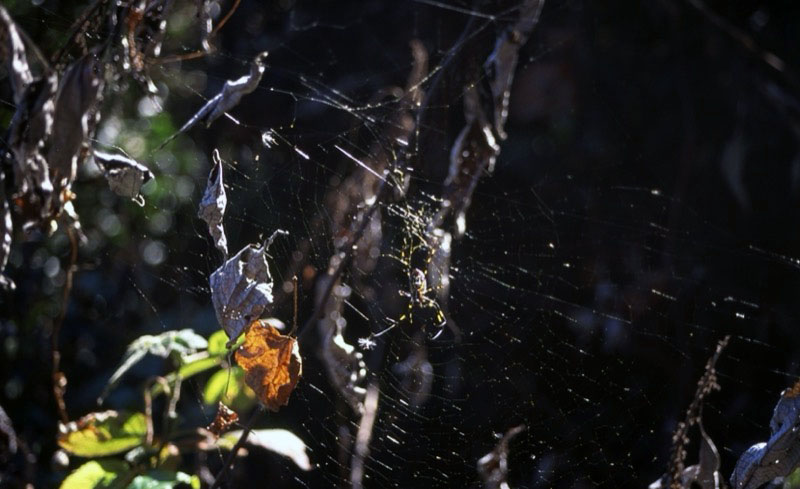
x=271, y=362
x=223, y=420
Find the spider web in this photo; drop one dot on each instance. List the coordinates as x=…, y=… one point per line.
x=599, y=266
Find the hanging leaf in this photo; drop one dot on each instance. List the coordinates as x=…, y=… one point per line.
x=182, y=342
x=31, y=124
x=493, y=467
x=125, y=176
x=500, y=65
x=6, y=234
x=343, y=363
x=780, y=455
x=205, y=22
x=78, y=93
x=241, y=289
x=476, y=148
x=104, y=433
x=271, y=362
x=97, y=474
x=282, y=442
x=213, y=204
x=13, y=50
x=164, y=479
x=224, y=419
x=364, y=435
x=30, y=128
x=232, y=92
x=7, y=429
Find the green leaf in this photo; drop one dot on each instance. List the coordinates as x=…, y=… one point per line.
x=216, y=343
x=228, y=386
x=104, y=433
x=164, y=479
x=222, y=386
x=198, y=366
x=97, y=474
x=792, y=481
x=183, y=342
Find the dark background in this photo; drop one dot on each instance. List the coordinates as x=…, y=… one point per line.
x=644, y=205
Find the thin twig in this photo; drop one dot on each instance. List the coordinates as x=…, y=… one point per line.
x=172, y=58
x=58, y=378
x=239, y=444
x=225, y=19
x=148, y=405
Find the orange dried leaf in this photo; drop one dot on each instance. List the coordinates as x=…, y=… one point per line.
x=271, y=362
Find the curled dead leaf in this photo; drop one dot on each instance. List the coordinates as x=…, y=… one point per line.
x=223, y=420
x=125, y=176
x=493, y=467
x=241, y=289
x=271, y=362
x=6, y=230
x=212, y=207
x=12, y=50
x=232, y=92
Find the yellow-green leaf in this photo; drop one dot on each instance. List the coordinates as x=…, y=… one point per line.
x=104, y=433
x=198, y=366
x=216, y=343
x=792, y=481
x=97, y=474
x=227, y=386
x=222, y=386
x=180, y=342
